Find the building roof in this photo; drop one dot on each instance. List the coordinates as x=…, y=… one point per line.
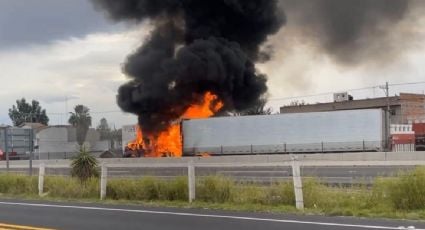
x=380, y=102
x=31, y=125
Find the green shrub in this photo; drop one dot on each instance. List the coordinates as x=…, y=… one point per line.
x=177, y=189
x=407, y=191
x=71, y=188
x=387, y=197
x=380, y=197
x=130, y=189
x=18, y=184
x=247, y=194
x=214, y=189
x=148, y=188
x=84, y=166
x=280, y=194
x=334, y=200
x=220, y=189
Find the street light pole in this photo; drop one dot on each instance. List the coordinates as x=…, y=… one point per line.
x=6, y=148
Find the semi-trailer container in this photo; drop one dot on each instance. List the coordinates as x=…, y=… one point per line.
x=336, y=131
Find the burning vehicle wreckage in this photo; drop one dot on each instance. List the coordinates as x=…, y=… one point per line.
x=198, y=61
x=200, y=55
x=168, y=143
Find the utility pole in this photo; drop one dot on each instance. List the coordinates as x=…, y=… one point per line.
x=386, y=89
x=31, y=148
x=66, y=109
x=423, y=101
x=6, y=148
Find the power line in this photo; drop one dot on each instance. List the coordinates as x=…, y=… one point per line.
x=270, y=99
x=355, y=89
x=319, y=94
x=408, y=83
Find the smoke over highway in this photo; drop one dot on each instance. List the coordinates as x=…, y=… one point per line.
x=194, y=48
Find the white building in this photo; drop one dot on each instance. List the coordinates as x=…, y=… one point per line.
x=61, y=142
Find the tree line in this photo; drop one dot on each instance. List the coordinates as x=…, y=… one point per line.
x=32, y=112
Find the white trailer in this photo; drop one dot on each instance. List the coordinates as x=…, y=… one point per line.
x=336, y=131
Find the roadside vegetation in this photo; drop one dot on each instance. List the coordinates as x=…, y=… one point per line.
x=402, y=196
x=84, y=166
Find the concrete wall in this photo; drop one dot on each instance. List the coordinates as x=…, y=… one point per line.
x=365, y=157
x=406, y=108
x=62, y=139
x=91, y=136
x=345, y=105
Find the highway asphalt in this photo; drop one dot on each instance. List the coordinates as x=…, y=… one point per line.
x=59, y=215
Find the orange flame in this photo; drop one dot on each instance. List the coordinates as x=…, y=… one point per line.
x=169, y=141
x=205, y=154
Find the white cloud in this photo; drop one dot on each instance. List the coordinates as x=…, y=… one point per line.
x=87, y=71
x=300, y=68
x=83, y=70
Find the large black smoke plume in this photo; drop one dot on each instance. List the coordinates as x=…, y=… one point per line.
x=351, y=32
x=195, y=46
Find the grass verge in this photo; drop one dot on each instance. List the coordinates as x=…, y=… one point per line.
x=402, y=196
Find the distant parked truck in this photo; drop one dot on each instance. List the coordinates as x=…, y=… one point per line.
x=336, y=131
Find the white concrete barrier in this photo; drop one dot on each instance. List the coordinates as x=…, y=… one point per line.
x=191, y=181
x=298, y=185
x=41, y=171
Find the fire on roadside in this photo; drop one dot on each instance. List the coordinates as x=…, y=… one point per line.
x=169, y=142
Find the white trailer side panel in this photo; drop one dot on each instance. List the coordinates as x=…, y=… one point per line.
x=348, y=130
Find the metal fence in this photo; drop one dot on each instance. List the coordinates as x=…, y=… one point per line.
x=61, y=155
x=284, y=148
x=318, y=147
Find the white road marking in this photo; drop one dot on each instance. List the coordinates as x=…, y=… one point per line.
x=203, y=215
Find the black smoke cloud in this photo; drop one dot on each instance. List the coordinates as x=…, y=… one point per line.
x=350, y=32
x=195, y=46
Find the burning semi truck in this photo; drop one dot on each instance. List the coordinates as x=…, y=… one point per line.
x=338, y=131
x=199, y=61
x=169, y=141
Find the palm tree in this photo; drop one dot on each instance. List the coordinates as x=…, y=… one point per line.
x=81, y=120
